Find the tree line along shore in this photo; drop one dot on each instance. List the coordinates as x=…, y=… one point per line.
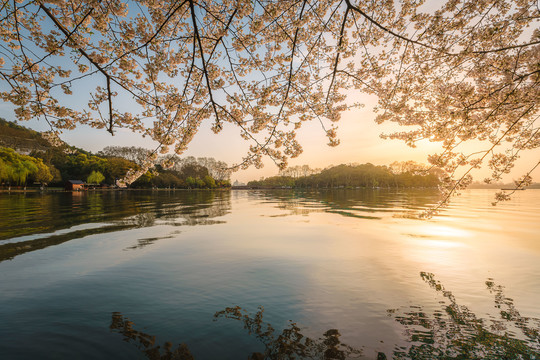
x=27, y=160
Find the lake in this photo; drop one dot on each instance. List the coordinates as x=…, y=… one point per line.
x=277, y=274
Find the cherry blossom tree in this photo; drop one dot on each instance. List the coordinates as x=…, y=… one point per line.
x=467, y=72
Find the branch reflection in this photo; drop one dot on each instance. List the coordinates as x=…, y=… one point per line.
x=357, y=203
x=147, y=343
x=450, y=332
x=455, y=332
x=291, y=343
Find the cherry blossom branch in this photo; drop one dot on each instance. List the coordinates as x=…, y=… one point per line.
x=89, y=58
x=201, y=51
x=461, y=179
x=380, y=26
x=336, y=62
x=520, y=46
x=58, y=47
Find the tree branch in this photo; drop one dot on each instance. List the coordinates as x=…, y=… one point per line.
x=87, y=56
x=196, y=30
x=371, y=20
x=341, y=33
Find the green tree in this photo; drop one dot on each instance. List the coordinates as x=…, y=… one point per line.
x=194, y=170
x=167, y=179
x=117, y=168
x=209, y=182
x=200, y=184
x=56, y=175
x=191, y=182
x=19, y=169
x=134, y=154
x=224, y=183
x=43, y=173
x=5, y=171
x=95, y=178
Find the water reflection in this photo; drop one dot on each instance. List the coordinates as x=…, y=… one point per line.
x=10, y=250
x=141, y=243
x=323, y=270
x=455, y=332
x=450, y=332
x=358, y=203
x=35, y=221
x=147, y=343
x=291, y=343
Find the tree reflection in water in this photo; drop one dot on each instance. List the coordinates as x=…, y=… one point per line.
x=451, y=332
x=147, y=343
x=357, y=203
x=56, y=218
x=455, y=332
x=291, y=343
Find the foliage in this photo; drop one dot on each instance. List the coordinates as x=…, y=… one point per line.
x=364, y=175
x=167, y=179
x=114, y=163
x=465, y=72
x=117, y=167
x=144, y=181
x=137, y=155
x=273, y=182
x=181, y=168
x=224, y=183
x=190, y=172
x=298, y=171
x=194, y=170
x=44, y=173
x=19, y=169
x=198, y=167
x=95, y=177
x=77, y=165
x=57, y=165
x=209, y=182
x=191, y=177
x=63, y=162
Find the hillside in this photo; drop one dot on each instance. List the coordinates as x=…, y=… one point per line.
x=28, y=158
x=22, y=139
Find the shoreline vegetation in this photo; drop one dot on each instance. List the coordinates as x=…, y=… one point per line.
x=22, y=189
x=34, y=189
x=27, y=160
x=29, y=163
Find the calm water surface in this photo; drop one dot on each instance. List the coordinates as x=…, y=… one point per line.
x=228, y=274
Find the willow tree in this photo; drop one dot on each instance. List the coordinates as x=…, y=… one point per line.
x=95, y=178
x=18, y=169
x=465, y=72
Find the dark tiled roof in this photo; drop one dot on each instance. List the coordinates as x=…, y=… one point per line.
x=78, y=182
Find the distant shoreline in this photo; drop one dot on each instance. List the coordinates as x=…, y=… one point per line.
x=61, y=190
